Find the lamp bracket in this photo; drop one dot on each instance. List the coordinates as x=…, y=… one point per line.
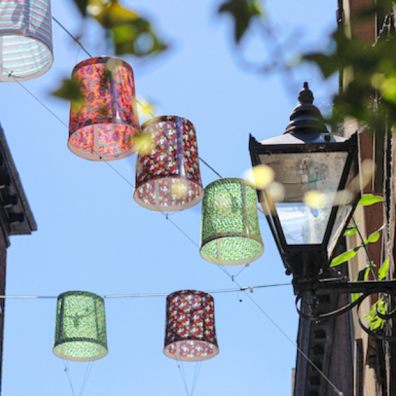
x=307, y=292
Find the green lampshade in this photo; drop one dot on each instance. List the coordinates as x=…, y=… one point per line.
x=230, y=233
x=80, y=327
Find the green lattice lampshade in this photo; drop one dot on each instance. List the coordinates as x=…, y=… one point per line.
x=230, y=230
x=80, y=327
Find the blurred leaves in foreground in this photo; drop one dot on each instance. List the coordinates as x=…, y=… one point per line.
x=129, y=32
x=370, y=96
x=243, y=12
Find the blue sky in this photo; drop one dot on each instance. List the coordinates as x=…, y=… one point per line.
x=93, y=236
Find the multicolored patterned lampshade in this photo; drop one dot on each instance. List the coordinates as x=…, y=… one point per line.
x=80, y=333
x=168, y=178
x=190, y=326
x=104, y=122
x=25, y=39
x=230, y=233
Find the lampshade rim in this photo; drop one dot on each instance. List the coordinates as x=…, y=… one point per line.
x=80, y=293
x=42, y=70
x=99, y=60
x=96, y=156
x=166, y=118
x=245, y=261
x=194, y=292
x=178, y=358
x=80, y=359
x=230, y=179
x=158, y=208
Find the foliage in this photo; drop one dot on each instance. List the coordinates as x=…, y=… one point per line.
x=371, y=97
x=384, y=269
x=243, y=12
x=374, y=321
x=370, y=199
x=129, y=32
x=344, y=257
x=69, y=89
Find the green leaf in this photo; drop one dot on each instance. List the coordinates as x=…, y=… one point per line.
x=350, y=231
x=328, y=65
x=373, y=237
x=355, y=296
x=243, y=11
x=344, y=257
x=113, y=14
x=82, y=6
x=70, y=89
x=136, y=38
x=370, y=199
x=384, y=269
x=374, y=322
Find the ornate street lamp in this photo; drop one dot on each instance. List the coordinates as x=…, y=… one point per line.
x=309, y=162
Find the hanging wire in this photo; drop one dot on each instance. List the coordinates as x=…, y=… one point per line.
x=147, y=295
x=279, y=328
x=300, y=351
x=241, y=270
x=183, y=376
x=87, y=374
x=68, y=375
x=74, y=38
x=81, y=45
x=67, y=127
x=197, y=370
x=338, y=392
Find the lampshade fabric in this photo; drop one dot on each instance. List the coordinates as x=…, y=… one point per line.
x=80, y=333
x=190, y=326
x=230, y=234
x=104, y=121
x=25, y=39
x=168, y=178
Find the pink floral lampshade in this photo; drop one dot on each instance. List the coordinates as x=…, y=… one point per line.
x=190, y=326
x=104, y=121
x=168, y=178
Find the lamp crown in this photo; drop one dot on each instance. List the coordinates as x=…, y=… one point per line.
x=306, y=117
x=305, y=96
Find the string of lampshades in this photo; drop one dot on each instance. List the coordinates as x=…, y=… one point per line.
x=104, y=126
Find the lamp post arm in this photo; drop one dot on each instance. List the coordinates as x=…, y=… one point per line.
x=307, y=290
x=341, y=286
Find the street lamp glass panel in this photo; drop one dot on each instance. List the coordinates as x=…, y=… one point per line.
x=345, y=199
x=310, y=182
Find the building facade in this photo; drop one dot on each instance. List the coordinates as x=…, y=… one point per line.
x=16, y=218
x=358, y=364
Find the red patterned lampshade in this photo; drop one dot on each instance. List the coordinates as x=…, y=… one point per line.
x=104, y=121
x=190, y=326
x=168, y=178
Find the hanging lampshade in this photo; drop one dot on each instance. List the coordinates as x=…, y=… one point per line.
x=190, y=326
x=80, y=327
x=230, y=234
x=104, y=121
x=25, y=39
x=168, y=178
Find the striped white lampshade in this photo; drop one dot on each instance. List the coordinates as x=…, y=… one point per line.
x=25, y=39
